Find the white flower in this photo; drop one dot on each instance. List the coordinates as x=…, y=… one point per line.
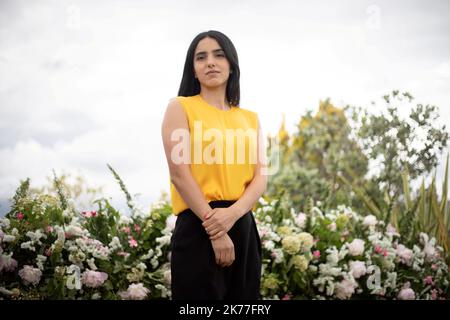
x=344, y=289
x=170, y=222
x=148, y=255
x=135, y=292
x=300, y=220
x=93, y=279
x=430, y=252
x=164, y=240
x=30, y=275
x=406, y=293
x=125, y=219
x=4, y=223
x=164, y=291
x=332, y=227
x=36, y=236
x=278, y=255
x=370, y=221
x=96, y=296
x=75, y=230
x=91, y=264
x=357, y=269
x=392, y=231
x=406, y=255
x=333, y=256
x=167, y=276
x=8, y=238
x=307, y=240
x=268, y=245
x=356, y=247
x=40, y=259
x=115, y=244
x=28, y=245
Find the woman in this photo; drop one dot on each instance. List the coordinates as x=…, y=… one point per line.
x=215, y=156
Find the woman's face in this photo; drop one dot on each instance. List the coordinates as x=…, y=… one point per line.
x=211, y=67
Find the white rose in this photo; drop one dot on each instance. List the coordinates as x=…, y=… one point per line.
x=370, y=221
x=406, y=294
x=344, y=289
x=356, y=247
x=406, y=255
x=357, y=269
x=135, y=292
x=300, y=220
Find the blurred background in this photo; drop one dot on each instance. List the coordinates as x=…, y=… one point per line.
x=84, y=84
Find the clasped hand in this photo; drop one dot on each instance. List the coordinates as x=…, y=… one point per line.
x=219, y=221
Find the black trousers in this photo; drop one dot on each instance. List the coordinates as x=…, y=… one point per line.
x=195, y=273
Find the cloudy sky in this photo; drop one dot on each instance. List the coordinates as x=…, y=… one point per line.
x=86, y=83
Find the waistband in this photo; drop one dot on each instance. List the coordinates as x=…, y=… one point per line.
x=214, y=204
x=221, y=203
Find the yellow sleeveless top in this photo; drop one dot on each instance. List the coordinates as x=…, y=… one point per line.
x=223, y=149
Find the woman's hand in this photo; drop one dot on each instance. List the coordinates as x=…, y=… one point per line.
x=219, y=221
x=223, y=250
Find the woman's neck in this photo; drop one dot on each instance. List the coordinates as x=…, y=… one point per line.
x=215, y=98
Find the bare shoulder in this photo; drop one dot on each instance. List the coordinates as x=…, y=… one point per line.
x=175, y=115
x=174, y=104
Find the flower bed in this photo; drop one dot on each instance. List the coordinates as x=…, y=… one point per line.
x=47, y=252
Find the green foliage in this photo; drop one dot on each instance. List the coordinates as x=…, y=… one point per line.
x=313, y=157
x=395, y=144
x=123, y=188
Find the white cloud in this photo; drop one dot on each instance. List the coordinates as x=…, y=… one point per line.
x=86, y=83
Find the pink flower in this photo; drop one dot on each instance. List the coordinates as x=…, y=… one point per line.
x=20, y=216
x=48, y=252
x=316, y=254
x=344, y=289
x=406, y=293
x=7, y=263
x=49, y=229
x=135, y=292
x=93, y=279
x=378, y=249
x=89, y=214
x=434, y=267
x=428, y=280
x=356, y=247
x=406, y=255
x=126, y=230
x=434, y=294
x=30, y=275
x=357, y=269
x=137, y=228
x=287, y=296
x=123, y=254
x=133, y=242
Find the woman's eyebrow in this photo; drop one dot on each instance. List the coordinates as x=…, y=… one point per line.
x=203, y=52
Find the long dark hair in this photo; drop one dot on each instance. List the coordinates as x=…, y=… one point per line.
x=190, y=86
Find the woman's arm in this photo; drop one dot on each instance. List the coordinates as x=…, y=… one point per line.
x=181, y=177
x=180, y=174
x=219, y=221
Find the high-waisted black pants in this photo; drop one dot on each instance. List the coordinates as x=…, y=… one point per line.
x=195, y=273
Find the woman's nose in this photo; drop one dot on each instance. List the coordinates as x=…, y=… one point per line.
x=211, y=62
